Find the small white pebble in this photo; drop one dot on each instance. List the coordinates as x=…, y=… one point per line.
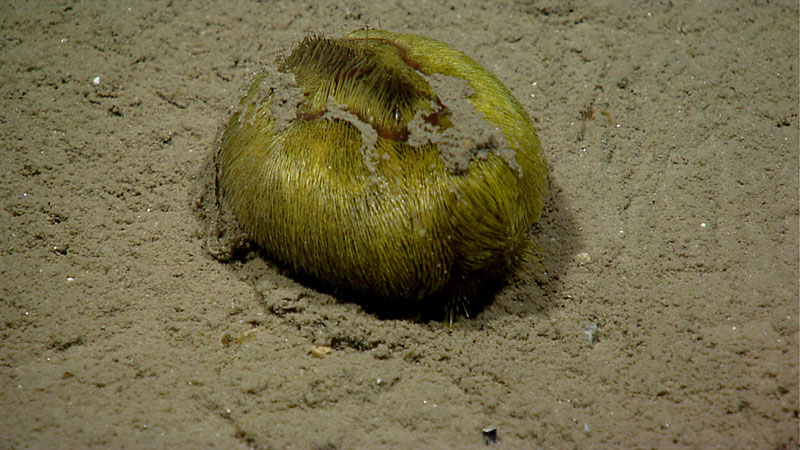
x=96, y=80
x=591, y=331
x=582, y=258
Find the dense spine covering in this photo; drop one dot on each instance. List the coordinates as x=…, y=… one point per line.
x=383, y=218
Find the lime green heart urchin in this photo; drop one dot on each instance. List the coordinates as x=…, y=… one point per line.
x=390, y=165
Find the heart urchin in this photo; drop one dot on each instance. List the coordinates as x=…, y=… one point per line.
x=386, y=164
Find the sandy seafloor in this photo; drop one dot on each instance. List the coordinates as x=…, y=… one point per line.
x=682, y=188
